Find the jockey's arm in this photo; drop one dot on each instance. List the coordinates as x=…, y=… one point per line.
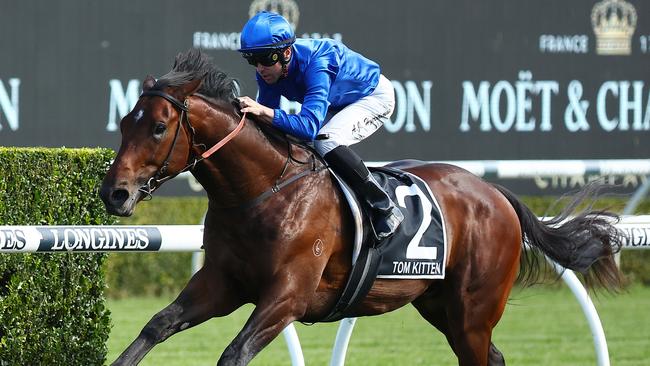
x=262, y=112
x=306, y=124
x=263, y=108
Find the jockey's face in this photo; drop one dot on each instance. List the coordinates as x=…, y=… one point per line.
x=271, y=74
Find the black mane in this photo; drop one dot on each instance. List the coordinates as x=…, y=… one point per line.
x=194, y=64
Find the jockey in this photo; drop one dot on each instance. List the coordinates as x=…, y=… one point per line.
x=344, y=100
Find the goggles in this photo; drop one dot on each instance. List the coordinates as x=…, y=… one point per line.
x=266, y=59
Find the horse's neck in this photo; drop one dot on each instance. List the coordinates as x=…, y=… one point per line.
x=244, y=167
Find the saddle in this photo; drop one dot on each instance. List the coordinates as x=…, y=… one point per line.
x=411, y=253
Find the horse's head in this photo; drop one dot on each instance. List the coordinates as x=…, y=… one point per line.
x=155, y=145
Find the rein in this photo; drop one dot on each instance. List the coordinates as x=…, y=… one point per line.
x=156, y=181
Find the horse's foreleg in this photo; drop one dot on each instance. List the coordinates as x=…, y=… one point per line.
x=276, y=309
x=199, y=301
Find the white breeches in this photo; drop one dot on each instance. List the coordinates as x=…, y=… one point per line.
x=358, y=120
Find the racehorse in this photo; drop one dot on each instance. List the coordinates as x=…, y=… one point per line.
x=278, y=232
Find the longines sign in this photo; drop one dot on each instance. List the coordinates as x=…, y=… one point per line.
x=79, y=238
x=472, y=80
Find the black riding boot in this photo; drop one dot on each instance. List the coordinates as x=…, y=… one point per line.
x=385, y=216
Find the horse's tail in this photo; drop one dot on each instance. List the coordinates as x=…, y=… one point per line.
x=584, y=243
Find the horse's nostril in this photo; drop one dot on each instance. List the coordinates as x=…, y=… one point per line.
x=119, y=195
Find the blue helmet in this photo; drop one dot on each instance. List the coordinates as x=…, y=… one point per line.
x=266, y=31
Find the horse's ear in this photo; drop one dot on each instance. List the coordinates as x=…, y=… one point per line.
x=148, y=82
x=191, y=87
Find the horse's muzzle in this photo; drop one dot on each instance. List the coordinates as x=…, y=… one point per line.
x=118, y=200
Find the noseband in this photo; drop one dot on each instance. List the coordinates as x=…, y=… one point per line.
x=159, y=178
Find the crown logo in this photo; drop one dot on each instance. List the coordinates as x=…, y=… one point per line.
x=614, y=22
x=287, y=8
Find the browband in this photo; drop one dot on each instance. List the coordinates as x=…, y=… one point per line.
x=162, y=94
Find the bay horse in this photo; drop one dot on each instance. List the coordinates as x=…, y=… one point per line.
x=284, y=243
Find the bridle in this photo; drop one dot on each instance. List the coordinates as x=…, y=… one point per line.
x=156, y=181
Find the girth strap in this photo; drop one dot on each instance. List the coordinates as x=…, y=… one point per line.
x=362, y=277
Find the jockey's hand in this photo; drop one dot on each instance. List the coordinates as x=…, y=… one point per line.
x=263, y=113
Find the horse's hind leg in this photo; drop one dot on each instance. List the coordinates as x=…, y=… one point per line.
x=468, y=330
x=432, y=309
x=199, y=301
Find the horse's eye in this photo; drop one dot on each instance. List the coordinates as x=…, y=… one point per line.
x=160, y=128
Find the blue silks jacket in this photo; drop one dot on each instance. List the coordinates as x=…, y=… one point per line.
x=323, y=73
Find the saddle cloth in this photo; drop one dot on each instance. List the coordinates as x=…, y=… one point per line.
x=418, y=249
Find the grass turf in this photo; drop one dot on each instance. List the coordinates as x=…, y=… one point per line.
x=541, y=326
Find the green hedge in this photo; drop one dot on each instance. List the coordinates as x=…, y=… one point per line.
x=52, y=309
